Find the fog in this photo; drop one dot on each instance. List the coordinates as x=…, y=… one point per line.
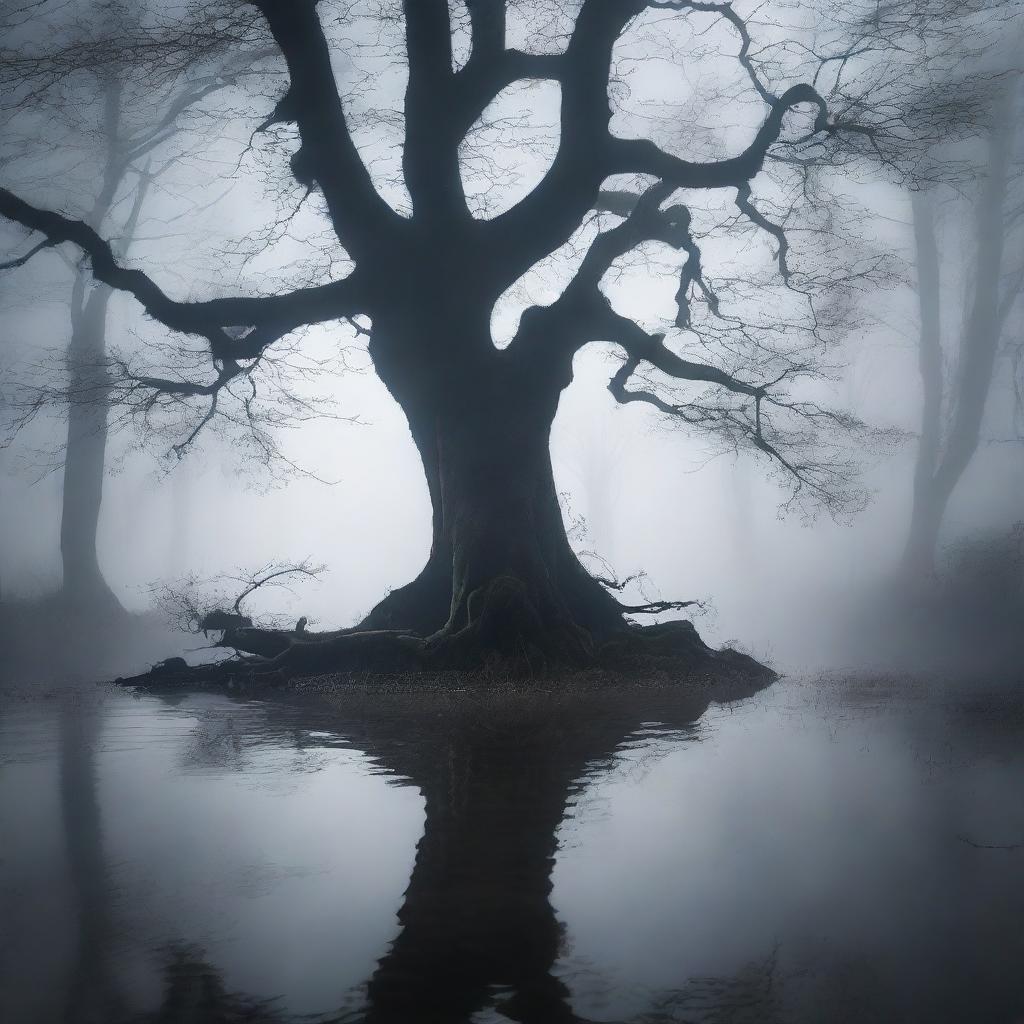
x=511, y=511
x=702, y=519
x=701, y=525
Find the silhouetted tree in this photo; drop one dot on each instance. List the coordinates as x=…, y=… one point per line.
x=428, y=269
x=959, y=395
x=97, y=101
x=944, y=80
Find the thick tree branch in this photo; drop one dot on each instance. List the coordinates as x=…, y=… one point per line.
x=430, y=157
x=480, y=81
x=607, y=325
x=328, y=154
x=583, y=314
x=487, y=19
x=588, y=153
x=548, y=216
x=571, y=316
x=262, y=319
x=20, y=261
x=645, y=222
x=641, y=156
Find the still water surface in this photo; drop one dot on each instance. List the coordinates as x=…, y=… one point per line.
x=829, y=850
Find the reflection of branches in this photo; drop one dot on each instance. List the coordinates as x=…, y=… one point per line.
x=190, y=981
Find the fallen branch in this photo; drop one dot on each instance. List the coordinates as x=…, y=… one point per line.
x=990, y=846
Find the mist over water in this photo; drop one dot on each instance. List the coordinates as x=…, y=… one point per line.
x=818, y=851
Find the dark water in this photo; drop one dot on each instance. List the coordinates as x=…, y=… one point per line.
x=822, y=851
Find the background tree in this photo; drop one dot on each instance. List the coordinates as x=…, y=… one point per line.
x=428, y=274
x=88, y=88
x=943, y=82
x=955, y=398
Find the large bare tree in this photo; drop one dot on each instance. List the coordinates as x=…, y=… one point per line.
x=428, y=275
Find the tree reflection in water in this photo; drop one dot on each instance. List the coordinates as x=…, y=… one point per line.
x=496, y=775
x=194, y=993
x=503, y=774
x=497, y=770
x=91, y=990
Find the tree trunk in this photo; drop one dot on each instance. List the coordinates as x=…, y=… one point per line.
x=501, y=573
x=501, y=518
x=502, y=587
x=84, y=462
x=927, y=510
x=936, y=478
x=84, y=587
x=923, y=537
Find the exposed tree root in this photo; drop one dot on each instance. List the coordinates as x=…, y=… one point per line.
x=505, y=636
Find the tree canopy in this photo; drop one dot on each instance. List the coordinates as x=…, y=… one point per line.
x=420, y=250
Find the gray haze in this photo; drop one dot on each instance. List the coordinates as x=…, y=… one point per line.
x=702, y=521
x=802, y=428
